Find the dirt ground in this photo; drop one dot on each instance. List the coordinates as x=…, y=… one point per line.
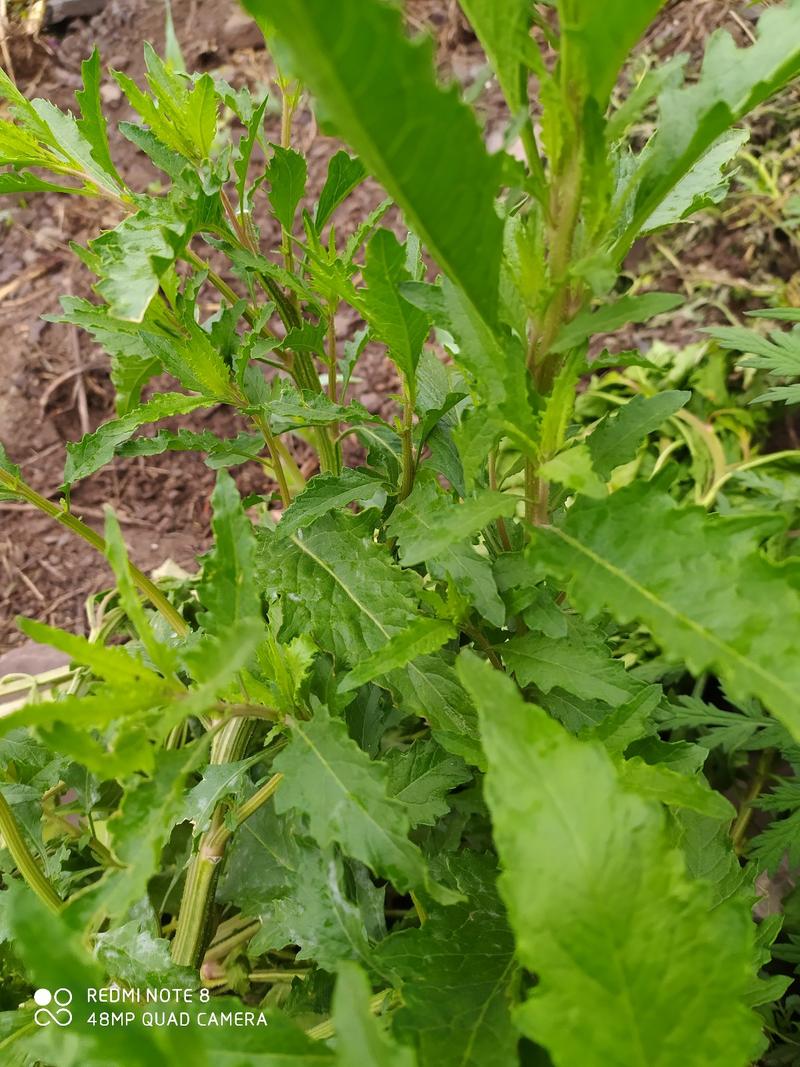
x=53, y=380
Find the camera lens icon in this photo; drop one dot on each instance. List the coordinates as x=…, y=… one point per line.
x=60, y=1015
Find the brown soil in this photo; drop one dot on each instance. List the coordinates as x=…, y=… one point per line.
x=55, y=383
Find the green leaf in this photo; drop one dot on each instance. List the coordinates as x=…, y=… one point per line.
x=339, y=586
x=401, y=326
x=423, y=636
x=502, y=27
x=659, y=782
x=131, y=954
x=620, y=931
x=616, y=438
x=139, y=829
x=345, y=172
x=246, y=145
x=194, y=361
x=66, y=964
x=579, y=663
x=611, y=317
x=380, y=91
x=111, y=663
x=330, y=492
x=458, y=976
x=92, y=123
x=220, y=451
x=227, y=591
x=359, y=1036
x=134, y=256
x=421, y=777
x=596, y=41
x=778, y=353
x=183, y=119
x=708, y=595
x=72, y=144
x=287, y=175
x=428, y=521
x=573, y=468
x=349, y=804
x=705, y=184
x=132, y=362
x=95, y=450
x=733, y=81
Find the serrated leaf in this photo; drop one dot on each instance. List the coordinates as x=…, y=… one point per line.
x=616, y=438
x=219, y=781
x=705, y=184
x=340, y=586
x=69, y=138
x=428, y=521
x=422, y=637
x=329, y=492
x=194, y=361
x=92, y=123
x=95, y=450
x=345, y=172
x=227, y=591
x=287, y=175
x=620, y=931
x=349, y=805
x=220, y=451
x=733, y=81
x=131, y=954
x=612, y=316
x=421, y=777
x=379, y=89
x=579, y=663
x=458, y=974
x=134, y=256
x=708, y=595
x=401, y=326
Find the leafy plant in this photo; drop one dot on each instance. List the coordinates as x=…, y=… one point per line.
x=426, y=764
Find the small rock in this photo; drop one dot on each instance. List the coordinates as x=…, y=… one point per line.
x=240, y=31
x=61, y=10
x=110, y=93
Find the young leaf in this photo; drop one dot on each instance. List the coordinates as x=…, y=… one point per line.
x=92, y=123
x=401, y=326
x=616, y=438
x=329, y=492
x=345, y=172
x=458, y=973
x=379, y=90
x=423, y=636
x=611, y=316
x=502, y=27
x=349, y=804
x=428, y=522
x=227, y=591
x=721, y=613
x=621, y=931
x=287, y=175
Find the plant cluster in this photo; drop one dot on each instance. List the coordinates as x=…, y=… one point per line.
x=430, y=761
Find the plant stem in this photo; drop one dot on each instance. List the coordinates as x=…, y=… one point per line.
x=275, y=458
x=144, y=584
x=191, y=932
x=22, y=856
x=763, y=771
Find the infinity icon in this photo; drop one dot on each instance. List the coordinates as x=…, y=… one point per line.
x=61, y=1016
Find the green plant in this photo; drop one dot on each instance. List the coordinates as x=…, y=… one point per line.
x=507, y=640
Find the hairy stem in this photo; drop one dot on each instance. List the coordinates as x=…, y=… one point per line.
x=22, y=856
